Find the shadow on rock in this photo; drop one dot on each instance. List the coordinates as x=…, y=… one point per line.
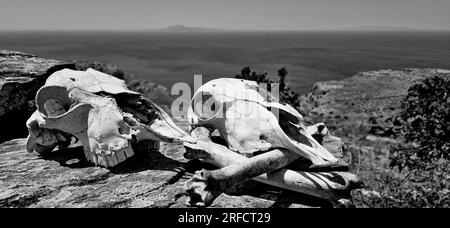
x=150, y=160
x=282, y=198
x=70, y=157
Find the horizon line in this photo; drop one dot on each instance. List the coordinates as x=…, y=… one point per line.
x=151, y=30
x=180, y=28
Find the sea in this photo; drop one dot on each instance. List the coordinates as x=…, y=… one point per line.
x=309, y=57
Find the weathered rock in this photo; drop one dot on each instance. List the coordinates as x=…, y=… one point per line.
x=21, y=75
x=152, y=179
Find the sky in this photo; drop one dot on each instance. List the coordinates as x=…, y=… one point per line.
x=224, y=14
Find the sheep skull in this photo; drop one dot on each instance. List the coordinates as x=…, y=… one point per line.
x=245, y=118
x=101, y=112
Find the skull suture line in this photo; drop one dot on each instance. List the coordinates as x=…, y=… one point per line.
x=102, y=113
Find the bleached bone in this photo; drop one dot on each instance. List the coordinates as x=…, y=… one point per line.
x=90, y=80
x=240, y=111
x=251, y=121
x=101, y=113
x=43, y=140
x=205, y=186
x=321, y=133
x=95, y=121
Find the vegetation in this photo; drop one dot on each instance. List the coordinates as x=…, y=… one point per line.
x=417, y=172
x=424, y=125
x=286, y=94
x=424, y=129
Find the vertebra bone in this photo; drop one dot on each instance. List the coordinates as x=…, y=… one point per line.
x=266, y=168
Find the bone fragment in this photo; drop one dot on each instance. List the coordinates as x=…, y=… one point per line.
x=206, y=185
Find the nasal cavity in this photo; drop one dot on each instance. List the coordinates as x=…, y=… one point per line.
x=263, y=137
x=320, y=128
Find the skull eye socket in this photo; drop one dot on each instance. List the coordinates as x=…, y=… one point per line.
x=205, y=106
x=59, y=97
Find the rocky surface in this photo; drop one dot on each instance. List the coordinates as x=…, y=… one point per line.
x=152, y=179
x=21, y=75
x=361, y=110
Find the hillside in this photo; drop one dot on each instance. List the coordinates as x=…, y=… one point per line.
x=360, y=110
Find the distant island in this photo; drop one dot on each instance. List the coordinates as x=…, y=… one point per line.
x=383, y=28
x=186, y=29
x=363, y=28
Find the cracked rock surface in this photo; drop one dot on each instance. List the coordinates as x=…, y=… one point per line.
x=150, y=179
x=21, y=75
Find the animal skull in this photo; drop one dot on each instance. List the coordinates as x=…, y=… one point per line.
x=101, y=112
x=247, y=120
x=240, y=111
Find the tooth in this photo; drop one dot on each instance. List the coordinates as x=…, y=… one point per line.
x=93, y=159
x=111, y=159
x=121, y=156
x=148, y=145
x=129, y=152
x=100, y=160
